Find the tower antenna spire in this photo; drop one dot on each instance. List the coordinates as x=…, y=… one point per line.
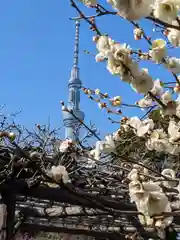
x=74, y=86
x=76, y=45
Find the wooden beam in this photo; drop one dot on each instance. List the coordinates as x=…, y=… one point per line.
x=67, y=196
x=72, y=231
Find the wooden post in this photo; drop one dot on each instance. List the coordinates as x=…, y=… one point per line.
x=3, y=220
x=8, y=207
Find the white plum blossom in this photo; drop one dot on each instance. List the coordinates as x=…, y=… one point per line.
x=123, y=49
x=173, y=131
x=173, y=35
x=142, y=83
x=89, y=3
x=173, y=149
x=133, y=9
x=103, y=44
x=158, y=51
x=136, y=189
x=118, y=56
x=118, y=4
x=137, y=173
x=166, y=10
x=170, y=105
x=120, y=62
x=178, y=107
x=133, y=68
x=158, y=134
x=115, y=101
x=178, y=189
x=96, y=152
x=166, y=97
x=138, y=33
x=121, y=52
x=169, y=173
x=157, y=89
x=144, y=56
x=157, y=140
x=150, y=200
x=145, y=102
x=114, y=66
x=101, y=105
x=100, y=57
x=131, y=71
x=64, y=146
x=177, y=89
x=106, y=146
x=170, y=110
x=116, y=135
x=125, y=127
x=173, y=64
x=141, y=127
x=109, y=144
x=59, y=173
x=134, y=122
x=133, y=175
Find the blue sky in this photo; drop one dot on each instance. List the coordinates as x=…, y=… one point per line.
x=36, y=50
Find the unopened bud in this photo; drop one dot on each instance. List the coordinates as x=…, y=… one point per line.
x=38, y=126
x=95, y=38
x=177, y=89
x=11, y=136
x=124, y=119
x=166, y=32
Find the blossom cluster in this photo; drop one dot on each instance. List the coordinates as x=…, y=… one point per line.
x=120, y=62
x=59, y=173
x=108, y=145
x=150, y=199
x=158, y=131
x=165, y=10
x=156, y=138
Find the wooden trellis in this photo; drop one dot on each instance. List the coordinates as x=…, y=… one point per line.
x=95, y=203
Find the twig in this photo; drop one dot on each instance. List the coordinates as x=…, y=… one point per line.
x=93, y=25
x=81, y=122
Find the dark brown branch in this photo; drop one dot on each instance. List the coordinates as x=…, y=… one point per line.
x=93, y=25
x=167, y=25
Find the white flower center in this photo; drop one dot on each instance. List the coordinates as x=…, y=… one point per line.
x=167, y=7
